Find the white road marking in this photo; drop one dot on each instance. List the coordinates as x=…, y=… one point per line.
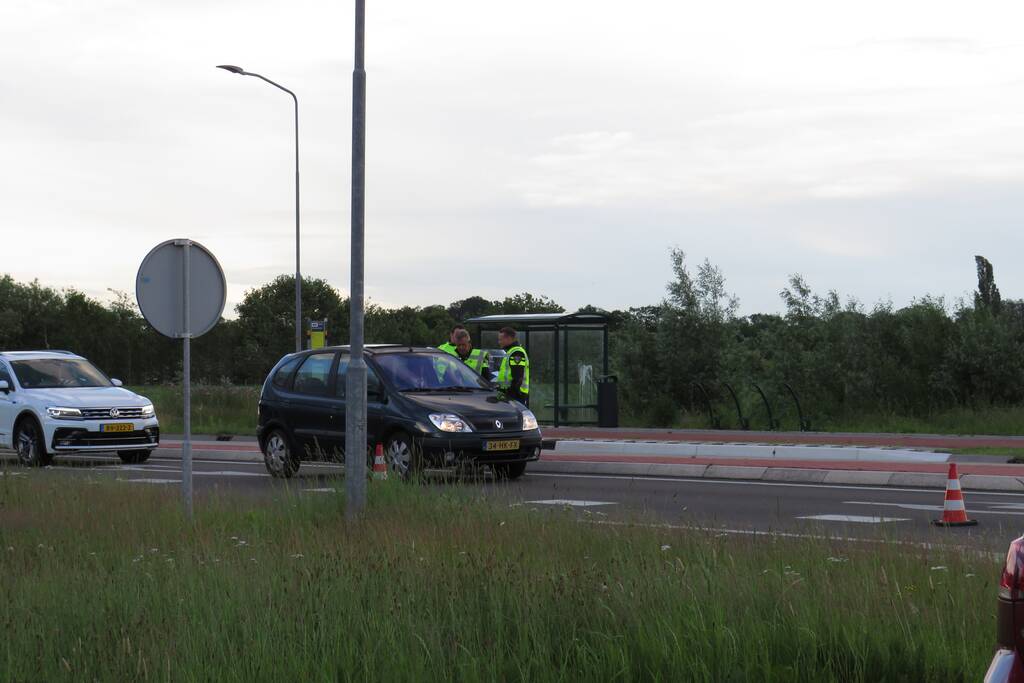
x=325, y=490
x=571, y=503
x=730, y=482
x=859, y=519
x=228, y=473
x=152, y=481
x=932, y=508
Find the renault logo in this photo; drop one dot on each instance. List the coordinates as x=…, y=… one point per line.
x=499, y=424
x=114, y=412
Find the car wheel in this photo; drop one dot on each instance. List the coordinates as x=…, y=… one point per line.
x=509, y=470
x=28, y=442
x=133, y=457
x=278, y=455
x=403, y=456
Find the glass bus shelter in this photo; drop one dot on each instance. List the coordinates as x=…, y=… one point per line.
x=568, y=358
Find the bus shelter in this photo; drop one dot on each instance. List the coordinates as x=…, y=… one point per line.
x=569, y=380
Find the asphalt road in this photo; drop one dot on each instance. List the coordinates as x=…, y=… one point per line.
x=852, y=512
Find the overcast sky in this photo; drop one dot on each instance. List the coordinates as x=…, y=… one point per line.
x=558, y=147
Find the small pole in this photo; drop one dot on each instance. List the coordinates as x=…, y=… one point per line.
x=186, y=446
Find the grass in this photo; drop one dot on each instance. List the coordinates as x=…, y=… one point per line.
x=216, y=408
x=105, y=581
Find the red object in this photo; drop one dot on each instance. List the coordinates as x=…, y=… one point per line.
x=1007, y=665
x=380, y=468
x=954, y=512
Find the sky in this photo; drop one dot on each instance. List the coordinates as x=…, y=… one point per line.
x=561, y=148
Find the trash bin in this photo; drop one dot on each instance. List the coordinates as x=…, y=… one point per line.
x=608, y=401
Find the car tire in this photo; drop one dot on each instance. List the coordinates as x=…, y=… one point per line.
x=403, y=456
x=279, y=455
x=509, y=470
x=134, y=457
x=29, y=444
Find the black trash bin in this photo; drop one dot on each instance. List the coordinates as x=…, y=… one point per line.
x=608, y=401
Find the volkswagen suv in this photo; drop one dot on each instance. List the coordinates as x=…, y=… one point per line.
x=55, y=402
x=426, y=407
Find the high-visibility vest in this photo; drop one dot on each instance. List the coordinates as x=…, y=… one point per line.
x=505, y=371
x=448, y=347
x=476, y=361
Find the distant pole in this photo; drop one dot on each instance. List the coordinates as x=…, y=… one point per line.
x=186, y=445
x=355, y=413
x=298, y=274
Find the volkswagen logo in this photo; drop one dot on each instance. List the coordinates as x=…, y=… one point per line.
x=114, y=412
x=499, y=424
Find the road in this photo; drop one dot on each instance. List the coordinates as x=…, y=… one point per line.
x=738, y=507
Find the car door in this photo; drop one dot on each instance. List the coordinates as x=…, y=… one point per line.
x=374, y=402
x=310, y=404
x=7, y=406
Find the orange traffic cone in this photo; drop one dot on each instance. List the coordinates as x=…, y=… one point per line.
x=954, y=513
x=380, y=468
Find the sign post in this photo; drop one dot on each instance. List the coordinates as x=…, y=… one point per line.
x=181, y=291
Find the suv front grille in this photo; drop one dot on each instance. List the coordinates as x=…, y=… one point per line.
x=104, y=413
x=509, y=425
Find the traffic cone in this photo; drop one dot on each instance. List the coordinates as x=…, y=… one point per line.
x=954, y=513
x=380, y=468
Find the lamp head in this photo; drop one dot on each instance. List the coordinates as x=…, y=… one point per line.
x=232, y=69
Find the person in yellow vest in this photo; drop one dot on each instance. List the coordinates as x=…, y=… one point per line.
x=514, y=373
x=449, y=346
x=476, y=359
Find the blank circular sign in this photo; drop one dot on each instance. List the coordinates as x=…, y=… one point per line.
x=160, y=289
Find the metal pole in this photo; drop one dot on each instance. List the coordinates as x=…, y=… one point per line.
x=355, y=409
x=186, y=446
x=298, y=274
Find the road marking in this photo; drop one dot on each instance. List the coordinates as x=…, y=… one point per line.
x=859, y=519
x=571, y=503
x=737, y=482
x=932, y=508
x=152, y=481
x=228, y=473
x=325, y=490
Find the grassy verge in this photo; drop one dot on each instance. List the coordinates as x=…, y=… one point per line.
x=104, y=581
x=216, y=408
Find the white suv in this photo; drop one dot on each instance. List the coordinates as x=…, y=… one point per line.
x=57, y=402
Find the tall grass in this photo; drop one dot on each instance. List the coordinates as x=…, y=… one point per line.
x=106, y=582
x=216, y=408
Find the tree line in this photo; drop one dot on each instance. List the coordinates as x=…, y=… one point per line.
x=691, y=353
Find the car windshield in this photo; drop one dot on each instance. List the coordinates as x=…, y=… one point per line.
x=428, y=372
x=52, y=373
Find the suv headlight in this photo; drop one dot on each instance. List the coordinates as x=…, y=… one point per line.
x=64, y=413
x=148, y=410
x=448, y=422
x=529, y=420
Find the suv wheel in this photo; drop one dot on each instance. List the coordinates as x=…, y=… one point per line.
x=403, y=457
x=278, y=455
x=134, y=457
x=509, y=470
x=28, y=443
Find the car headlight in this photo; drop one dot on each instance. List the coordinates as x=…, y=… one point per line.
x=448, y=422
x=529, y=420
x=148, y=410
x=64, y=413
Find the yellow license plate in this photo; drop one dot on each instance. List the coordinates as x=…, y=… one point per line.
x=118, y=427
x=508, y=445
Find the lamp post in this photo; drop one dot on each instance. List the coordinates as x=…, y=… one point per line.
x=298, y=275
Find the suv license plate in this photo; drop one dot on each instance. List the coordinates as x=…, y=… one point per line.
x=118, y=427
x=508, y=445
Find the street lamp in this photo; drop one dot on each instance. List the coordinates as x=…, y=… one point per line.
x=298, y=275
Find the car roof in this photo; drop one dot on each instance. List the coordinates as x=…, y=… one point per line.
x=38, y=355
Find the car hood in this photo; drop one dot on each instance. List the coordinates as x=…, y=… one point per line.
x=87, y=397
x=478, y=404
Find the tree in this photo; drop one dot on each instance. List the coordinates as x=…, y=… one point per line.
x=987, y=297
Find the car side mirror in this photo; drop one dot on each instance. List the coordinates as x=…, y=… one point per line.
x=4, y=386
x=376, y=395
x=116, y=382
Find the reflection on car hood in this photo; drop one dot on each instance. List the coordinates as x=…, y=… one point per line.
x=87, y=397
x=477, y=404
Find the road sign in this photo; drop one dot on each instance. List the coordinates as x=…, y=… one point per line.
x=181, y=292
x=160, y=289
